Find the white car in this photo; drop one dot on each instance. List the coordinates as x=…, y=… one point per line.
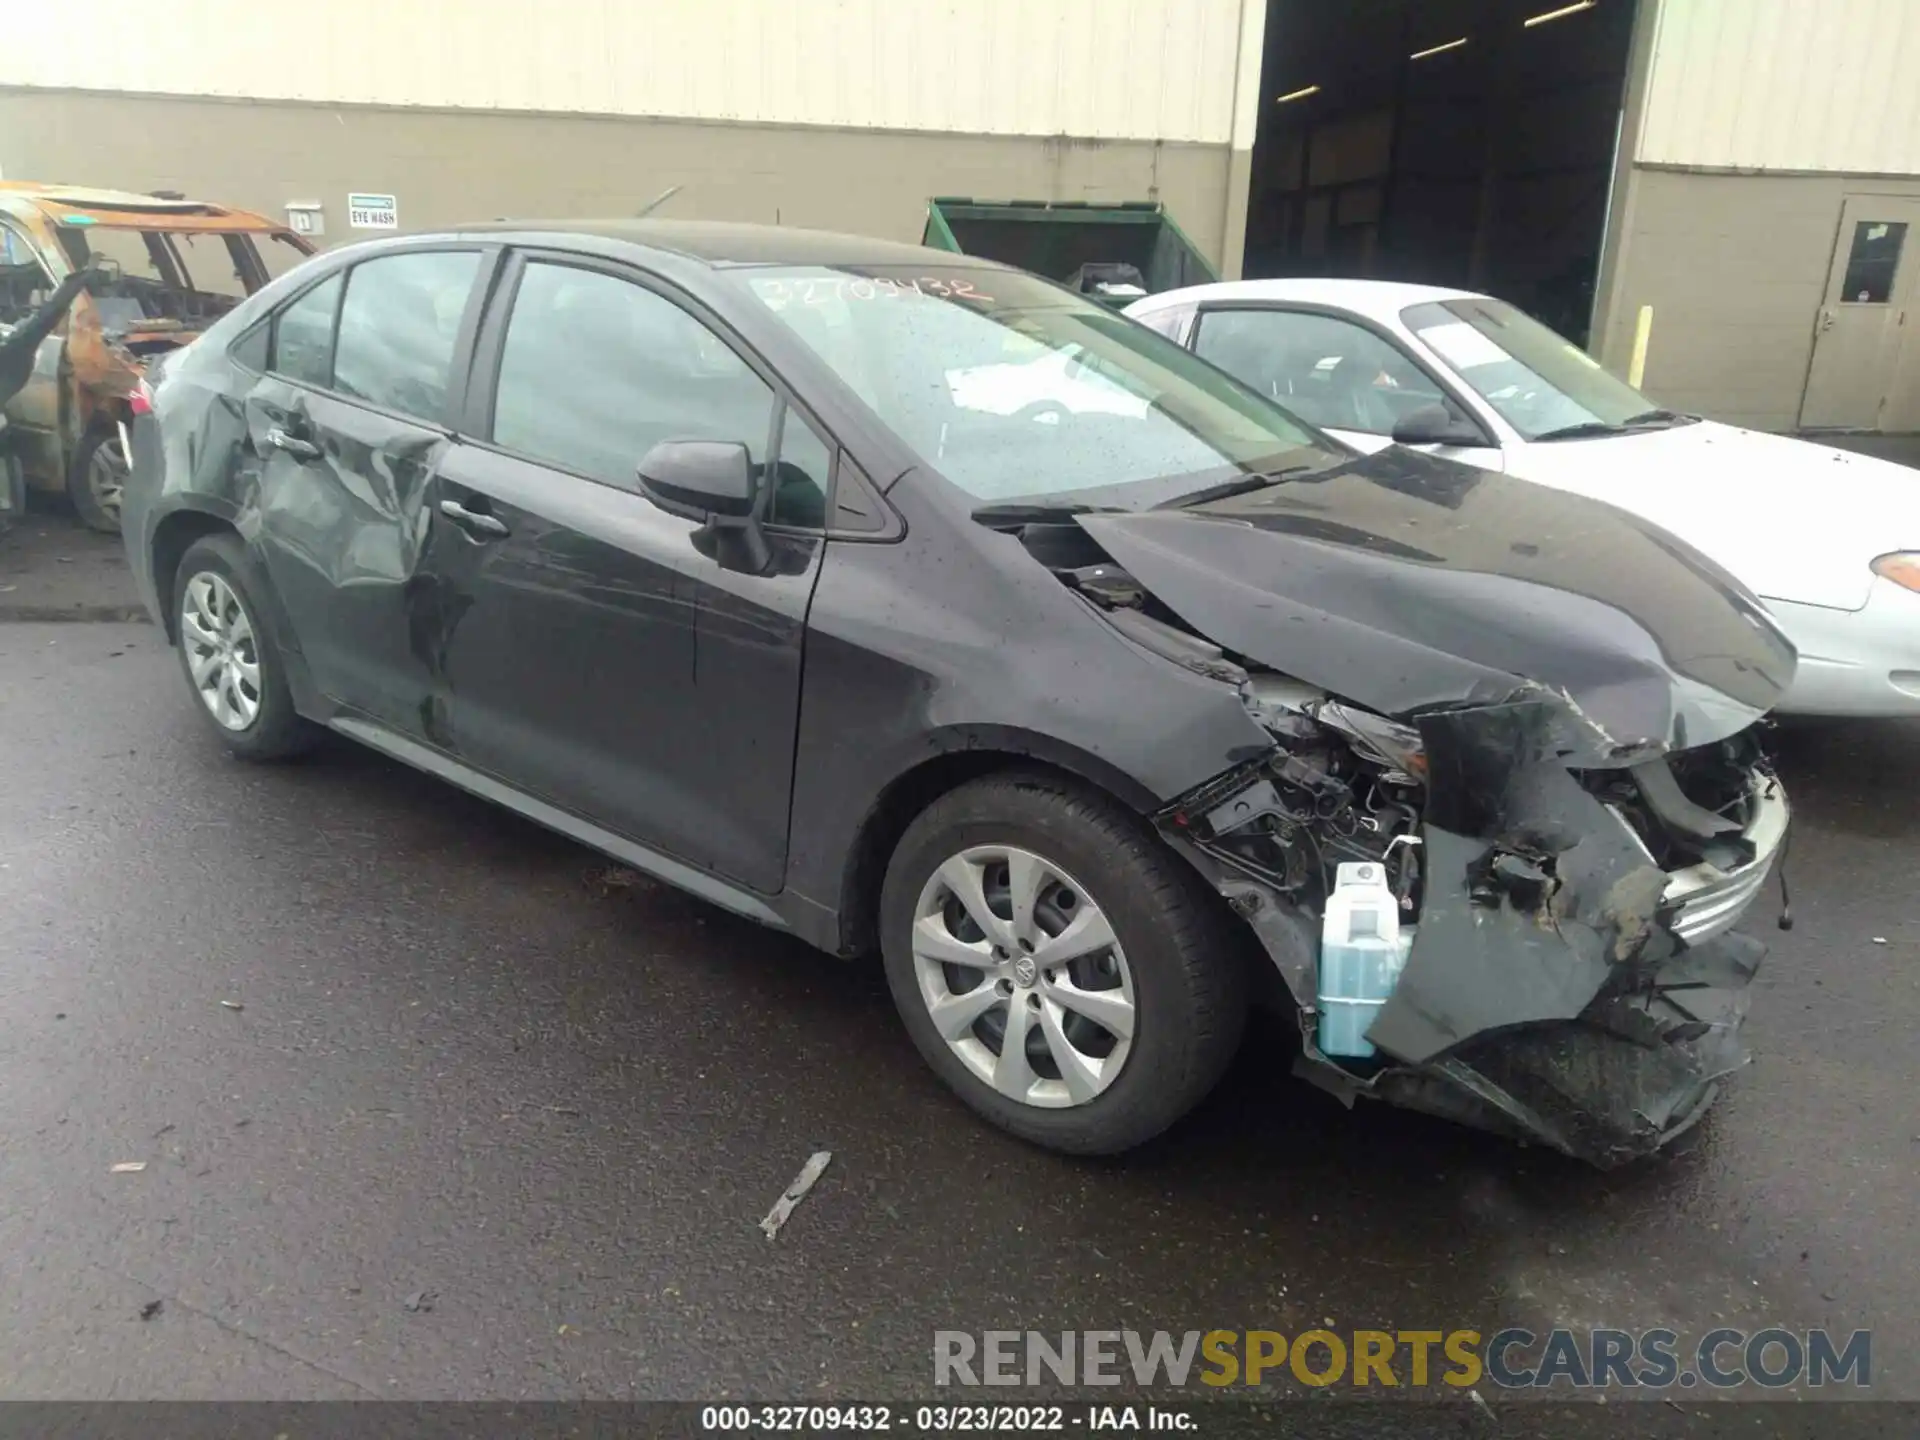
x=1830, y=540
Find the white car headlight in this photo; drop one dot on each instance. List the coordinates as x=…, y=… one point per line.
x=1902, y=567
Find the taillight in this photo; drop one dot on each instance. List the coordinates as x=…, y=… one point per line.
x=141, y=400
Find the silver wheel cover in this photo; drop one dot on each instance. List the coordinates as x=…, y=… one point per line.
x=223, y=656
x=1023, y=977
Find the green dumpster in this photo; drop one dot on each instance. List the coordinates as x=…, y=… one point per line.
x=1113, y=252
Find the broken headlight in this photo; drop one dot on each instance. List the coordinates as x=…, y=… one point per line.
x=1396, y=746
x=1288, y=707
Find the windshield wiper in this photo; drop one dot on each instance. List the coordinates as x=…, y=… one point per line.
x=1033, y=512
x=1238, y=486
x=1586, y=429
x=1645, y=420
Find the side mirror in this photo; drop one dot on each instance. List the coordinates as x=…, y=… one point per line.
x=713, y=482
x=1436, y=425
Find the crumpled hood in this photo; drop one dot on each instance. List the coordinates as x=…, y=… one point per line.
x=1406, y=583
x=1794, y=520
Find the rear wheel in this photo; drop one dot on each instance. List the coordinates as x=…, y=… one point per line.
x=231, y=664
x=98, y=478
x=1062, y=970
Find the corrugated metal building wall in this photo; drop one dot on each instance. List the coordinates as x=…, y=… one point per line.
x=843, y=114
x=1756, y=126
x=1096, y=69
x=1785, y=85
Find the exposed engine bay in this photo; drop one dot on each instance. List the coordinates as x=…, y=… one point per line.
x=1564, y=970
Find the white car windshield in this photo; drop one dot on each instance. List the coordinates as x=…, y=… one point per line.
x=1017, y=390
x=1542, y=384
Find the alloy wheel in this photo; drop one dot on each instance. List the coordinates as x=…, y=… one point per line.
x=223, y=655
x=1023, y=977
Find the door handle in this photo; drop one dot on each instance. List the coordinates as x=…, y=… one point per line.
x=292, y=444
x=474, y=522
x=1826, y=321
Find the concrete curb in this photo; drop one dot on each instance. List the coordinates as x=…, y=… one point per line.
x=98, y=614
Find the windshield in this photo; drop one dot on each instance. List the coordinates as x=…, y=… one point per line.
x=1540, y=382
x=1016, y=390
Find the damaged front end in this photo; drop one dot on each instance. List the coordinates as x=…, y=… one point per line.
x=1514, y=731
x=1571, y=978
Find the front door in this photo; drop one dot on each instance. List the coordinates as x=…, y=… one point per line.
x=1861, y=330
x=584, y=648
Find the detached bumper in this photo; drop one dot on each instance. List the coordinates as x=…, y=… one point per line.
x=1618, y=1083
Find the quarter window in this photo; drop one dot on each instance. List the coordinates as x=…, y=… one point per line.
x=1332, y=372
x=399, y=324
x=804, y=475
x=303, y=335
x=595, y=371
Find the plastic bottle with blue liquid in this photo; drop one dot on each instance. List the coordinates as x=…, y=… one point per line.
x=1363, y=949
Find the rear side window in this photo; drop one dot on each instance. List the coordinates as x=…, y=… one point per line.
x=303, y=335
x=398, y=327
x=597, y=370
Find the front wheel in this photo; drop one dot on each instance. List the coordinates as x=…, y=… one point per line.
x=1057, y=966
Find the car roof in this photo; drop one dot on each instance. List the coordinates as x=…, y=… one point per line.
x=128, y=209
x=720, y=242
x=1374, y=299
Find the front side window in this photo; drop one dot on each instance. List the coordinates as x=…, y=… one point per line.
x=597, y=370
x=1330, y=371
x=302, y=346
x=1542, y=384
x=1019, y=391
x=399, y=323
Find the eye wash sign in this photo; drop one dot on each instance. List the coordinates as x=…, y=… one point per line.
x=372, y=212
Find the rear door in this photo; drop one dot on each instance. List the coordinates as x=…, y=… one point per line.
x=1333, y=371
x=584, y=647
x=351, y=416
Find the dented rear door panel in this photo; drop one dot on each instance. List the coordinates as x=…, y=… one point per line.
x=343, y=491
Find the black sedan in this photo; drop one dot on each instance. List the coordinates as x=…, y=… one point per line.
x=914, y=605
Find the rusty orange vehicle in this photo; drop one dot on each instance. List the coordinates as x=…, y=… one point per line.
x=166, y=268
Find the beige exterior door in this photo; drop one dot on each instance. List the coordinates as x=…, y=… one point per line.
x=1858, y=380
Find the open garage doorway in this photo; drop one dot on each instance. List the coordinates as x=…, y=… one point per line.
x=1452, y=142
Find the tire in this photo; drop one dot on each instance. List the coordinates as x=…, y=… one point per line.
x=254, y=718
x=96, y=480
x=1178, y=962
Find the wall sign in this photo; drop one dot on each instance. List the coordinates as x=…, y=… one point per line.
x=372, y=212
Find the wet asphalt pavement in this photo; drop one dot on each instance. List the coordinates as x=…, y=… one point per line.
x=493, y=1122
